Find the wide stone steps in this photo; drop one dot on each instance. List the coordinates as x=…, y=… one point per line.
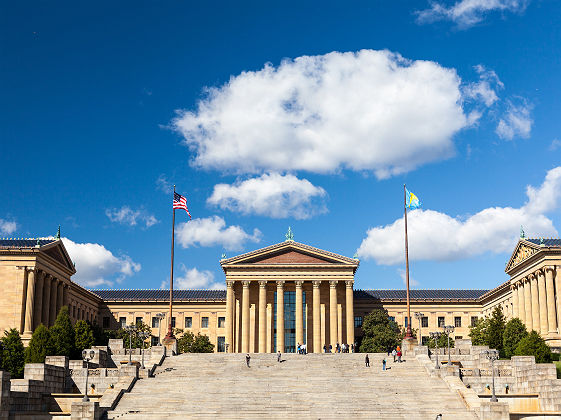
x=321, y=386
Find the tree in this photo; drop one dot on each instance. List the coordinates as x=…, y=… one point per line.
x=137, y=342
x=40, y=346
x=83, y=337
x=13, y=357
x=495, y=330
x=515, y=331
x=442, y=342
x=202, y=344
x=534, y=345
x=185, y=342
x=380, y=332
x=478, y=333
x=62, y=334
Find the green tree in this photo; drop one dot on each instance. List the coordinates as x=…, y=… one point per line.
x=62, y=334
x=478, y=333
x=380, y=332
x=534, y=345
x=137, y=342
x=515, y=331
x=40, y=345
x=83, y=337
x=495, y=330
x=13, y=357
x=185, y=342
x=101, y=336
x=202, y=344
x=442, y=342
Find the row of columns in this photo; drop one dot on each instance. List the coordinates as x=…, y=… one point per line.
x=316, y=316
x=536, y=303
x=45, y=295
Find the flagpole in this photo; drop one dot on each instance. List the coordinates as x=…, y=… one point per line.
x=408, y=333
x=170, y=330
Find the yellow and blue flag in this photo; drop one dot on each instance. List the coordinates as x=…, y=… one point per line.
x=412, y=202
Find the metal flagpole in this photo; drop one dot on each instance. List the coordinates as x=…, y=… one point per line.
x=170, y=330
x=408, y=333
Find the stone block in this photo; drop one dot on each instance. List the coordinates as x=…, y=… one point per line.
x=85, y=410
x=494, y=411
x=61, y=361
x=116, y=344
x=129, y=370
x=4, y=394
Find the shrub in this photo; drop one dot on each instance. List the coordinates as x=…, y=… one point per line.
x=202, y=344
x=442, y=342
x=40, y=345
x=380, y=332
x=534, y=345
x=13, y=358
x=62, y=334
x=83, y=337
x=514, y=331
x=478, y=333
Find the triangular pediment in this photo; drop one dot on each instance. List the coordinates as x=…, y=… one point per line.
x=523, y=251
x=57, y=252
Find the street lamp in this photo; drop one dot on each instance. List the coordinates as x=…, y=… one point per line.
x=87, y=356
x=130, y=329
x=143, y=335
x=160, y=316
x=492, y=355
x=419, y=316
x=448, y=329
x=435, y=336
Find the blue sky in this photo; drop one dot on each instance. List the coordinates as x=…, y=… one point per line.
x=275, y=114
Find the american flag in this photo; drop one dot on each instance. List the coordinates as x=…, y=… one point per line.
x=180, y=202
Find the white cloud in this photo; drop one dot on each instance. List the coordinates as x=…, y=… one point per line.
x=7, y=227
x=516, y=122
x=438, y=236
x=486, y=89
x=466, y=13
x=412, y=281
x=164, y=185
x=212, y=231
x=274, y=195
x=194, y=279
x=365, y=110
x=555, y=144
x=127, y=216
x=97, y=266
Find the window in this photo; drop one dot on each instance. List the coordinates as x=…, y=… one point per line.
x=172, y=322
x=155, y=322
x=440, y=321
x=188, y=322
x=425, y=322
x=123, y=321
x=154, y=341
x=358, y=321
x=392, y=318
x=473, y=321
x=106, y=322
x=221, y=322
x=204, y=322
x=406, y=319
x=424, y=340
x=458, y=337
x=457, y=321
x=139, y=320
x=221, y=344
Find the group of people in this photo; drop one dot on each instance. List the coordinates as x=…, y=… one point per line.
x=367, y=362
x=343, y=348
x=301, y=349
x=396, y=353
x=248, y=358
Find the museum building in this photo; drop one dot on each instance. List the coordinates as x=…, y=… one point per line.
x=275, y=297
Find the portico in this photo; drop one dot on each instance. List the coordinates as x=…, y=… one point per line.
x=288, y=294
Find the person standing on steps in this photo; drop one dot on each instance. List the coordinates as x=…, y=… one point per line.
x=279, y=356
x=399, y=356
x=366, y=361
x=394, y=353
x=384, y=364
x=247, y=359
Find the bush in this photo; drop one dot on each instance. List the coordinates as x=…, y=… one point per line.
x=137, y=342
x=442, y=342
x=40, y=346
x=185, y=342
x=558, y=367
x=514, y=331
x=62, y=334
x=534, y=345
x=478, y=333
x=13, y=358
x=380, y=332
x=83, y=337
x=189, y=343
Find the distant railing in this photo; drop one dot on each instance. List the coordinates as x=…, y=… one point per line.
x=485, y=372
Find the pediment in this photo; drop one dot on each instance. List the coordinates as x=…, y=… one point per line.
x=522, y=252
x=57, y=252
x=288, y=257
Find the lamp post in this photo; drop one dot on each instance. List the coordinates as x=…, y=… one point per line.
x=419, y=316
x=130, y=329
x=435, y=336
x=492, y=355
x=87, y=356
x=143, y=335
x=447, y=330
x=160, y=316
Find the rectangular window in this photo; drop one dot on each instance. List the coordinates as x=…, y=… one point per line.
x=221, y=322
x=457, y=321
x=188, y=322
x=221, y=344
x=139, y=320
x=123, y=321
x=172, y=322
x=204, y=322
x=406, y=319
x=106, y=322
x=425, y=322
x=155, y=322
x=458, y=337
x=392, y=318
x=154, y=341
x=424, y=340
x=440, y=321
x=473, y=321
x=358, y=321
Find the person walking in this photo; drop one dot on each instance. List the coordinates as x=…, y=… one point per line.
x=324, y=349
x=367, y=361
x=384, y=364
x=279, y=356
x=394, y=353
x=247, y=359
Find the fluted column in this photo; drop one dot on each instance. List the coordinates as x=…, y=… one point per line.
x=245, y=316
x=349, y=311
x=521, y=302
x=229, y=315
x=514, y=294
x=528, y=303
x=542, y=303
x=53, y=303
x=65, y=289
x=39, y=281
x=299, y=313
x=280, y=316
x=557, y=278
x=316, y=316
x=29, y=301
x=550, y=299
x=47, y=299
x=535, y=303
x=333, y=314
x=262, y=316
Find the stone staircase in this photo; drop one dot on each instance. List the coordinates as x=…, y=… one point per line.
x=313, y=386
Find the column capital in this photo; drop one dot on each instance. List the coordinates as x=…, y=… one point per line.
x=262, y=284
x=299, y=283
x=246, y=283
x=530, y=277
x=230, y=284
x=549, y=268
x=280, y=284
x=333, y=283
x=316, y=283
x=349, y=283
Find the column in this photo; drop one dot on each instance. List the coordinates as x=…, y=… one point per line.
x=262, y=316
x=514, y=294
x=550, y=293
x=245, y=316
x=229, y=315
x=29, y=276
x=299, y=313
x=316, y=316
x=53, y=303
x=527, y=303
x=535, y=303
x=280, y=316
x=558, y=298
x=544, y=327
x=333, y=314
x=47, y=299
x=349, y=312
x=521, y=302
x=39, y=280
x=65, y=296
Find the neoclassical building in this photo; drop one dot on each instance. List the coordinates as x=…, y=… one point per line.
x=275, y=297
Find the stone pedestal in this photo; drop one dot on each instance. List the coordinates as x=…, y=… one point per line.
x=408, y=345
x=171, y=345
x=494, y=411
x=85, y=410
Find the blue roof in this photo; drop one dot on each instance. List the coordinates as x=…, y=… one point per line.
x=23, y=243
x=161, y=295
x=436, y=294
x=546, y=241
